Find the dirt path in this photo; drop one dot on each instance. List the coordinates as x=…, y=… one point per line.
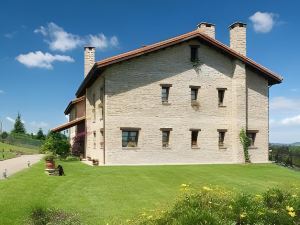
x=17, y=164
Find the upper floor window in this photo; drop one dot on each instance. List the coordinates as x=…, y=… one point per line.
x=94, y=135
x=194, y=92
x=221, y=95
x=222, y=133
x=194, y=53
x=165, y=137
x=251, y=134
x=130, y=137
x=165, y=89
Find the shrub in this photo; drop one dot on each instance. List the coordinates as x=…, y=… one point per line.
x=48, y=216
x=56, y=143
x=72, y=158
x=217, y=206
x=49, y=157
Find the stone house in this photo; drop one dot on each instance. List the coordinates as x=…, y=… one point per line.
x=180, y=101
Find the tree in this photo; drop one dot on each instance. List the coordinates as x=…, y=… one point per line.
x=19, y=127
x=40, y=135
x=4, y=135
x=56, y=143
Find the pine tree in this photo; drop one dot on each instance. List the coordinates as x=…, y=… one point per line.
x=40, y=135
x=19, y=127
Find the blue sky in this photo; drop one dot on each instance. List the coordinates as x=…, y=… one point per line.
x=41, y=49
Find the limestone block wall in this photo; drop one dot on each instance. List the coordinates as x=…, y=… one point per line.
x=133, y=99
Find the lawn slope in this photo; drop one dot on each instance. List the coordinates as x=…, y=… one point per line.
x=103, y=194
x=10, y=151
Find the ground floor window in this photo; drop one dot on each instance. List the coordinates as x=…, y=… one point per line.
x=194, y=137
x=222, y=133
x=251, y=134
x=166, y=137
x=130, y=137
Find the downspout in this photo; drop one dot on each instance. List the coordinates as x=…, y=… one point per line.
x=104, y=131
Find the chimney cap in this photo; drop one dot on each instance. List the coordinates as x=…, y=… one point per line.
x=235, y=24
x=206, y=24
x=88, y=46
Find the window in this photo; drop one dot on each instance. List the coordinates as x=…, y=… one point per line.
x=102, y=138
x=221, y=94
x=194, y=92
x=165, y=89
x=194, y=53
x=94, y=135
x=251, y=134
x=130, y=137
x=165, y=137
x=221, y=137
x=194, y=137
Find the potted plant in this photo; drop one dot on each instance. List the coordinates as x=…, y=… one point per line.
x=50, y=163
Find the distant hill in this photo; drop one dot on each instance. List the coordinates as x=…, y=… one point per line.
x=296, y=144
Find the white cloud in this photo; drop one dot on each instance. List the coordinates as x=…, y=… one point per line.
x=294, y=120
x=2, y=92
x=41, y=124
x=10, y=35
x=60, y=40
x=263, y=22
x=283, y=103
x=42, y=60
x=10, y=119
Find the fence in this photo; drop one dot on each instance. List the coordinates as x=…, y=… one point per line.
x=22, y=140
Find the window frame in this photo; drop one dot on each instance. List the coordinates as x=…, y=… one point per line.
x=253, y=139
x=221, y=100
x=221, y=138
x=166, y=144
x=196, y=89
x=194, y=53
x=165, y=99
x=193, y=130
x=130, y=131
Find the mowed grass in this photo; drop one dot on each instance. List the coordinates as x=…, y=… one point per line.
x=117, y=193
x=10, y=151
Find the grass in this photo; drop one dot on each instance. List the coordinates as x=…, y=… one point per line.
x=11, y=151
x=104, y=194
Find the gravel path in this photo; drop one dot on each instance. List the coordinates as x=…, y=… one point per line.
x=17, y=164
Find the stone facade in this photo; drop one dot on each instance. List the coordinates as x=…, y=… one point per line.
x=128, y=94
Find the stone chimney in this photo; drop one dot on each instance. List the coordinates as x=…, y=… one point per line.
x=207, y=28
x=237, y=32
x=89, y=59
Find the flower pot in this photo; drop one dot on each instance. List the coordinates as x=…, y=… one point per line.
x=50, y=164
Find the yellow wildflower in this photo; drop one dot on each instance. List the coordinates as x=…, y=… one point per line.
x=292, y=214
x=243, y=215
x=184, y=185
x=207, y=188
x=290, y=209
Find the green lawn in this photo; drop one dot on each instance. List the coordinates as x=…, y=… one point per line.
x=10, y=151
x=100, y=194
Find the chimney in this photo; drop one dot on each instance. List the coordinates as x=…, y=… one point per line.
x=238, y=37
x=89, y=59
x=207, y=28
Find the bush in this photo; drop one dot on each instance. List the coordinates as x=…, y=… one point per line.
x=215, y=206
x=49, y=157
x=72, y=158
x=57, y=144
x=45, y=216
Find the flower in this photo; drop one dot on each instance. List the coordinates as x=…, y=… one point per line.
x=292, y=214
x=290, y=209
x=230, y=207
x=184, y=185
x=207, y=188
x=243, y=215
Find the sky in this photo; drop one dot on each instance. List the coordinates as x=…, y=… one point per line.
x=41, y=49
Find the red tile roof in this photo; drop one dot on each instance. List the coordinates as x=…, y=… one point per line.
x=272, y=77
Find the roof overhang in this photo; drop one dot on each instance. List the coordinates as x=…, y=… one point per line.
x=70, y=105
x=100, y=66
x=69, y=124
